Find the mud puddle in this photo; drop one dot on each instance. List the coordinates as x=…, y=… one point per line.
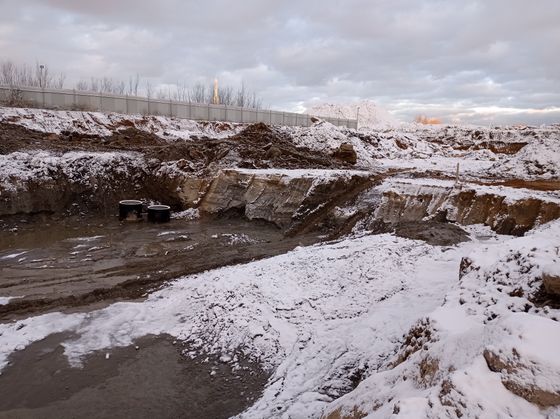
x=148, y=379
x=49, y=261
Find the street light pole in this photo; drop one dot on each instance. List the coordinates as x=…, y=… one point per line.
x=41, y=67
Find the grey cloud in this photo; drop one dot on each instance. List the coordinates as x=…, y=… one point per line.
x=440, y=57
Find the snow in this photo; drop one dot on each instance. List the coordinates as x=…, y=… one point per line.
x=317, y=315
x=539, y=159
x=305, y=173
x=12, y=255
x=5, y=300
x=369, y=114
x=480, y=312
x=18, y=168
x=421, y=185
x=188, y=214
x=104, y=124
x=409, y=146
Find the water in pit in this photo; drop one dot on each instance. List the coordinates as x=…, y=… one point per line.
x=52, y=261
x=149, y=379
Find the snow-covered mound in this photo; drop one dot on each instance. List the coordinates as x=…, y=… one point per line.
x=104, y=124
x=19, y=169
x=488, y=352
x=368, y=113
x=538, y=159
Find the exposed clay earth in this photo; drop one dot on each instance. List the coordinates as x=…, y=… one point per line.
x=306, y=272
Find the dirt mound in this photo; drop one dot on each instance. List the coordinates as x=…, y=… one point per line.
x=432, y=232
x=261, y=146
x=257, y=146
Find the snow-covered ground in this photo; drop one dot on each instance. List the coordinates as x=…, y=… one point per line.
x=426, y=186
x=318, y=314
x=487, y=352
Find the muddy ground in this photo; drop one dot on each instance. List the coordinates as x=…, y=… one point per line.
x=151, y=378
x=55, y=261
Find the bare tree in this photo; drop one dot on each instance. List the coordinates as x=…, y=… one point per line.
x=181, y=93
x=149, y=89
x=14, y=75
x=133, y=83
x=58, y=81
x=198, y=94
x=163, y=94
x=82, y=85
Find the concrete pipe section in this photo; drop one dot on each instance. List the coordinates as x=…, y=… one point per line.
x=159, y=213
x=130, y=210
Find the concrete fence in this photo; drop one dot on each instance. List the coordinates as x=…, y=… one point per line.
x=89, y=101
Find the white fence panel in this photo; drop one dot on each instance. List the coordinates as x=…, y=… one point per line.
x=89, y=101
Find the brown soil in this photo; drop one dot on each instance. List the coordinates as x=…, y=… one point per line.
x=432, y=232
x=148, y=379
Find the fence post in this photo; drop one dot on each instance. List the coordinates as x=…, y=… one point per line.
x=170, y=108
x=126, y=103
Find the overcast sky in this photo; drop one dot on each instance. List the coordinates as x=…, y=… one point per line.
x=488, y=61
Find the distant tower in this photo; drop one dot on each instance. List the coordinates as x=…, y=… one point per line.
x=216, y=97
